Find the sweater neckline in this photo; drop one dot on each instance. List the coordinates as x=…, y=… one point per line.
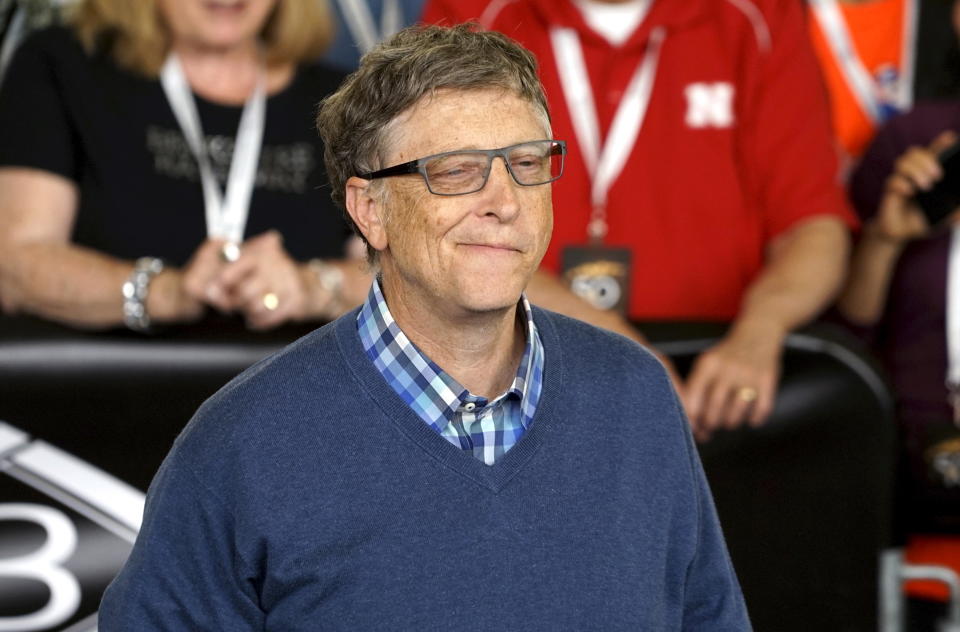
x=398, y=413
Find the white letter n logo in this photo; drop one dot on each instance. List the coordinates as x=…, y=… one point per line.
x=709, y=104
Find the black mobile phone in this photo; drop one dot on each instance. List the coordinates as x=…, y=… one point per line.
x=944, y=197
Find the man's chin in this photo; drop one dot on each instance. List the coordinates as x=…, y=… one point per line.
x=493, y=300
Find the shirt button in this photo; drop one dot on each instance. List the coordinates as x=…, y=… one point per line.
x=469, y=406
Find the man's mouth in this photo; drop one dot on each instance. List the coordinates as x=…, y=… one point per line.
x=493, y=246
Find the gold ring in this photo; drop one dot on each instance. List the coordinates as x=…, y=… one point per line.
x=271, y=301
x=230, y=252
x=747, y=394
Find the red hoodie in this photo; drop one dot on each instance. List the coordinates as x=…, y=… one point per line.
x=703, y=191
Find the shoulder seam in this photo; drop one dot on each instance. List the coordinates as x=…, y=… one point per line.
x=761, y=30
x=491, y=12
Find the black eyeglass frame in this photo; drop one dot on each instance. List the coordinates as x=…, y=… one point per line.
x=419, y=165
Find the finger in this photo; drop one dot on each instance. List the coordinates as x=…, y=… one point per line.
x=262, y=256
x=216, y=296
x=197, y=277
x=194, y=285
x=211, y=249
x=943, y=140
x=269, y=320
x=920, y=166
x=916, y=221
x=261, y=320
x=261, y=316
x=249, y=294
x=235, y=274
x=717, y=404
x=900, y=185
x=257, y=310
x=695, y=389
x=702, y=435
x=916, y=156
x=738, y=408
x=689, y=399
x=766, y=396
x=265, y=302
x=221, y=291
x=270, y=240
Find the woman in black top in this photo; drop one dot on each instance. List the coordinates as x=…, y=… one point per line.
x=99, y=180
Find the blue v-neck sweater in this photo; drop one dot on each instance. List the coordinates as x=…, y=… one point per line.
x=306, y=495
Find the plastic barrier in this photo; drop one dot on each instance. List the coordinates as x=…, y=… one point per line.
x=805, y=501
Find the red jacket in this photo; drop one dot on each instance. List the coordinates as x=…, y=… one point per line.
x=697, y=202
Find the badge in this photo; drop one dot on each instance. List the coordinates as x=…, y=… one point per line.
x=600, y=275
x=943, y=459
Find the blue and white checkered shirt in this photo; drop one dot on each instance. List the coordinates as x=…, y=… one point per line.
x=488, y=428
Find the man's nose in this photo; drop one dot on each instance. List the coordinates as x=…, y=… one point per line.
x=502, y=191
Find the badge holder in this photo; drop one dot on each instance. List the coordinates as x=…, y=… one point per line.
x=600, y=275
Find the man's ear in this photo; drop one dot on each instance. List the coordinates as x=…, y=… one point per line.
x=366, y=212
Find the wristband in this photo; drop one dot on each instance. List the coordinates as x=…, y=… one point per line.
x=331, y=280
x=135, y=290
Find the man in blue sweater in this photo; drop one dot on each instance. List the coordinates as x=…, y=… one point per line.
x=445, y=457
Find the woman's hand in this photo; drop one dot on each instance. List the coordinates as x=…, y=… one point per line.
x=198, y=278
x=899, y=219
x=265, y=284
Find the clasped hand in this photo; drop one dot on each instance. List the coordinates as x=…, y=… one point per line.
x=264, y=284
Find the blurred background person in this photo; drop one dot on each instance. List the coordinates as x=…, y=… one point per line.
x=903, y=297
x=20, y=17
x=702, y=183
x=362, y=23
x=159, y=159
x=878, y=57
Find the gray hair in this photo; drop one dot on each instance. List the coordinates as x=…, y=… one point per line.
x=354, y=122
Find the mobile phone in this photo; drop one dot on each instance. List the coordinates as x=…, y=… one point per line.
x=944, y=197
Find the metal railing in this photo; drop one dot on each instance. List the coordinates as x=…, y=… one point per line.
x=894, y=571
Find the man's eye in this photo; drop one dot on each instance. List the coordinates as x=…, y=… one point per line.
x=528, y=163
x=458, y=169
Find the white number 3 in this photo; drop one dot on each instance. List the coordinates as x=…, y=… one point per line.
x=43, y=565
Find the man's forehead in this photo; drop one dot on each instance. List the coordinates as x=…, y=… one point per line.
x=462, y=117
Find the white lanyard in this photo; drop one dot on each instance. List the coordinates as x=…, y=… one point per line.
x=226, y=215
x=358, y=19
x=953, y=321
x=604, y=163
x=860, y=81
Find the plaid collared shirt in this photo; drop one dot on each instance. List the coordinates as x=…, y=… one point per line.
x=488, y=428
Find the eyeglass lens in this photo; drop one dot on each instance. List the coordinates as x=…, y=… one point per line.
x=465, y=171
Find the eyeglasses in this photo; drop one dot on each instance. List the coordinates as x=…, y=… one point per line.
x=466, y=170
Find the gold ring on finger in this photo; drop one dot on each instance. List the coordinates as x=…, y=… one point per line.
x=271, y=301
x=747, y=394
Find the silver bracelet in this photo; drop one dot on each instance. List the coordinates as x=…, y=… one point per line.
x=135, y=291
x=331, y=280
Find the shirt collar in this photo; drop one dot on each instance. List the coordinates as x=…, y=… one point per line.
x=432, y=393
